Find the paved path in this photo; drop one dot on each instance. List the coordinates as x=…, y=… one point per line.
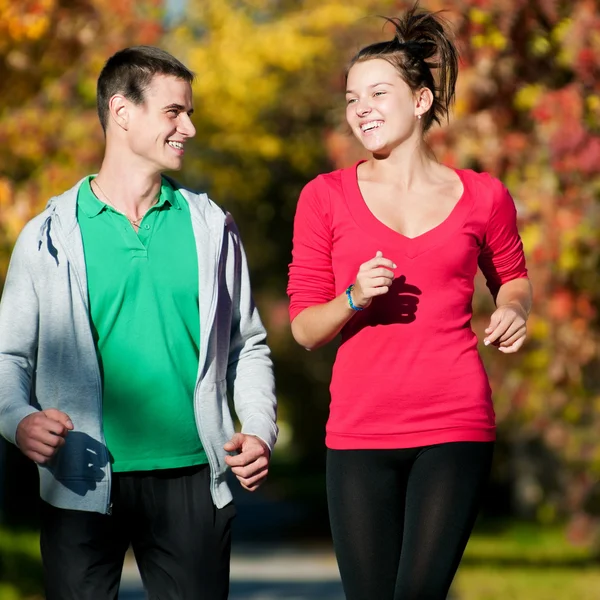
x=273, y=569
x=270, y=572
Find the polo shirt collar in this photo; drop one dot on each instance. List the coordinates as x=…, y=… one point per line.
x=87, y=202
x=167, y=194
x=91, y=206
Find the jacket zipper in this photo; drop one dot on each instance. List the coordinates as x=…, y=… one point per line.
x=206, y=327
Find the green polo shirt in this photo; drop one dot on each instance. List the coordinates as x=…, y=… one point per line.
x=143, y=295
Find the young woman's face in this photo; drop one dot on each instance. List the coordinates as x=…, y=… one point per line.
x=380, y=107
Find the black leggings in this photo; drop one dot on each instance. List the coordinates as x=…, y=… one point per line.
x=401, y=519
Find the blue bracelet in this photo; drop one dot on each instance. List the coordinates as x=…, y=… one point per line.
x=349, y=296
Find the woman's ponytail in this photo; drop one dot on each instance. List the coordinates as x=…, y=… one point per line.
x=424, y=53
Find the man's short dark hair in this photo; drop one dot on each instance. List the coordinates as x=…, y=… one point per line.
x=130, y=71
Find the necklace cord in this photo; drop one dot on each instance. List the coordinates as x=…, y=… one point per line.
x=134, y=222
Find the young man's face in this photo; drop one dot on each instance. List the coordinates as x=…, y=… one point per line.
x=159, y=127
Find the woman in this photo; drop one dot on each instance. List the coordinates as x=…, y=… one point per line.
x=385, y=253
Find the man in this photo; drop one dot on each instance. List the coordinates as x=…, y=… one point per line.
x=125, y=318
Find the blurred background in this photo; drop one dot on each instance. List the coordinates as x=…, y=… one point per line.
x=269, y=112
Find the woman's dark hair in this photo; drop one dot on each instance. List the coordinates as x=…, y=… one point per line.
x=422, y=43
x=130, y=71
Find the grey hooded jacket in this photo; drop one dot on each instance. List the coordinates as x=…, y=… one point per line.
x=48, y=357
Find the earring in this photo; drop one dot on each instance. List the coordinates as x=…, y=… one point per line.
x=419, y=117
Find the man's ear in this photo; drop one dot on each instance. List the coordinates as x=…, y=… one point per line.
x=118, y=107
x=423, y=101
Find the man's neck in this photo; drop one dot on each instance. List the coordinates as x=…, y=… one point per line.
x=130, y=190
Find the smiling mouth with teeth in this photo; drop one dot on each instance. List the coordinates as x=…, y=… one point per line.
x=176, y=145
x=370, y=126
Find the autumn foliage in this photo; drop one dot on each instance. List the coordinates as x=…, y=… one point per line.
x=268, y=110
x=529, y=112
x=51, y=52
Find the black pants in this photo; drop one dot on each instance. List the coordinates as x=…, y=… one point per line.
x=181, y=541
x=401, y=519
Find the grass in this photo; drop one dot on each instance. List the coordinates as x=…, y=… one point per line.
x=20, y=566
x=526, y=562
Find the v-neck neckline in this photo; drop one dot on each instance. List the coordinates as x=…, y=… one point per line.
x=411, y=247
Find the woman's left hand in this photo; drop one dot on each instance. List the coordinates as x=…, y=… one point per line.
x=508, y=328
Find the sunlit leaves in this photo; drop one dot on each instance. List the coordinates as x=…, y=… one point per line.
x=51, y=52
x=530, y=114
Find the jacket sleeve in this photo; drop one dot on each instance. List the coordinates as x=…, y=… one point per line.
x=18, y=339
x=249, y=370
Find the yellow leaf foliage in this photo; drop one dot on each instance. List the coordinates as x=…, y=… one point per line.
x=51, y=52
x=255, y=71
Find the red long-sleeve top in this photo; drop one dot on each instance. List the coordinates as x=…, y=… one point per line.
x=408, y=372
